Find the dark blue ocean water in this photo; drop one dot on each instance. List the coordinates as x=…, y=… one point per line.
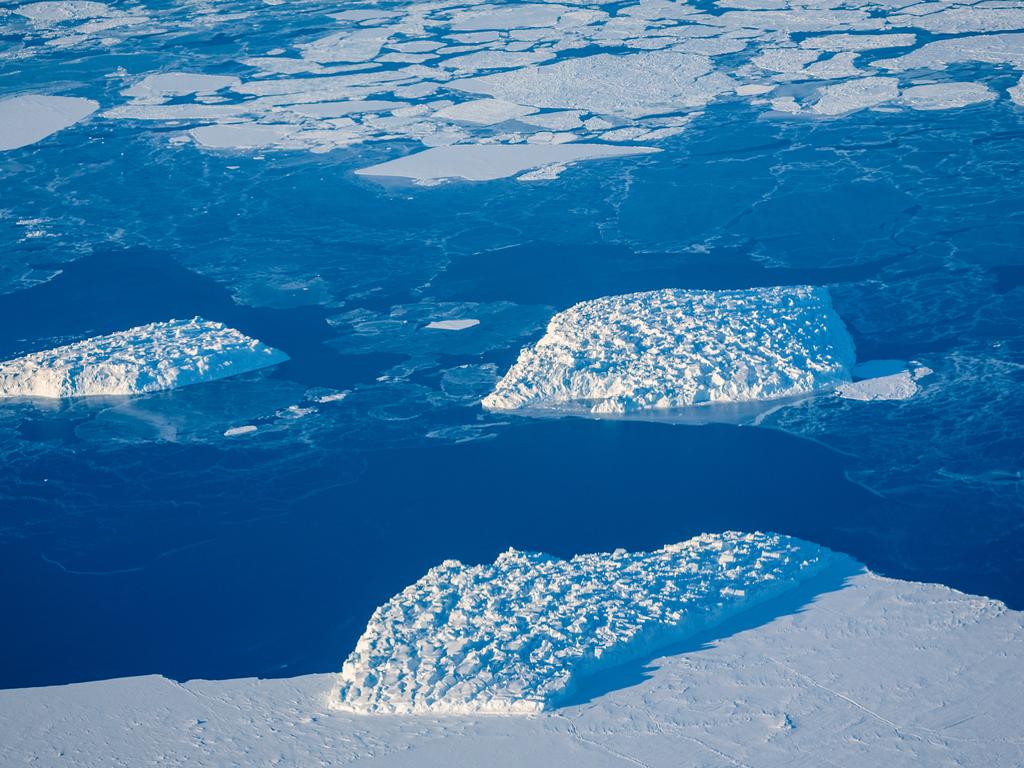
x=136, y=538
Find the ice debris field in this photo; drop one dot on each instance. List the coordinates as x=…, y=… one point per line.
x=510, y=638
x=494, y=90
x=840, y=667
x=147, y=358
x=676, y=348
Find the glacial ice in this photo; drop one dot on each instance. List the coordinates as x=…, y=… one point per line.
x=679, y=348
x=485, y=162
x=27, y=119
x=146, y=358
x=883, y=380
x=510, y=638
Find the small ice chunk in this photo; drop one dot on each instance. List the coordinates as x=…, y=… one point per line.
x=27, y=119
x=883, y=380
x=453, y=325
x=146, y=358
x=753, y=89
x=484, y=162
x=247, y=429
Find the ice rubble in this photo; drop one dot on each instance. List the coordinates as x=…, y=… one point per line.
x=485, y=162
x=146, y=358
x=510, y=638
x=679, y=348
x=27, y=119
x=883, y=380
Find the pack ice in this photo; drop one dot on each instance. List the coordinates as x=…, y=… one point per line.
x=678, y=348
x=146, y=358
x=510, y=638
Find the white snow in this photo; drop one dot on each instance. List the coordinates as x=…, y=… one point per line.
x=27, y=119
x=453, y=325
x=847, y=669
x=512, y=637
x=484, y=162
x=146, y=358
x=1016, y=92
x=854, y=95
x=679, y=348
x=57, y=11
x=946, y=95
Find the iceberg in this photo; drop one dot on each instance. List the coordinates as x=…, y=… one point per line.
x=146, y=358
x=27, y=119
x=679, y=348
x=510, y=638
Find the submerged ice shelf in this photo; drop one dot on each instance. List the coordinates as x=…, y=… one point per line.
x=146, y=358
x=679, y=348
x=512, y=637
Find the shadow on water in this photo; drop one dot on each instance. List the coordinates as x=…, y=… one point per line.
x=834, y=577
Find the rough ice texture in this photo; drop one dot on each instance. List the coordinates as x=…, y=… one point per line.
x=678, y=348
x=883, y=380
x=146, y=358
x=510, y=638
x=485, y=162
x=27, y=119
x=946, y=95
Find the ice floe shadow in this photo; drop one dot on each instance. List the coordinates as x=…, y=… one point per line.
x=587, y=688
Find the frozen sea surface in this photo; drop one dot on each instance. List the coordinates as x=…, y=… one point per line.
x=872, y=152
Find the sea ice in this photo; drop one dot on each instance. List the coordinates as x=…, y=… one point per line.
x=27, y=119
x=453, y=325
x=632, y=85
x=853, y=95
x=238, y=135
x=146, y=358
x=883, y=380
x=484, y=162
x=847, y=668
x=946, y=95
x=679, y=348
x=484, y=111
x=510, y=638
x=179, y=84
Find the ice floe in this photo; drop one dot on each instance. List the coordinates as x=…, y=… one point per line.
x=946, y=95
x=484, y=162
x=27, y=119
x=854, y=95
x=146, y=358
x=678, y=348
x=453, y=325
x=509, y=638
x=883, y=380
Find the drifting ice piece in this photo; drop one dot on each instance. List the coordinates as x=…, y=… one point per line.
x=511, y=637
x=27, y=119
x=678, y=348
x=142, y=359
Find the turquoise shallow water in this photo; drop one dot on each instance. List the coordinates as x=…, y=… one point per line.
x=135, y=537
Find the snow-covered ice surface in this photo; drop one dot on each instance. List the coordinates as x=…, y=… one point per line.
x=148, y=358
x=675, y=348
x=27, y=119
x=847, y=669
x=514, y=636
